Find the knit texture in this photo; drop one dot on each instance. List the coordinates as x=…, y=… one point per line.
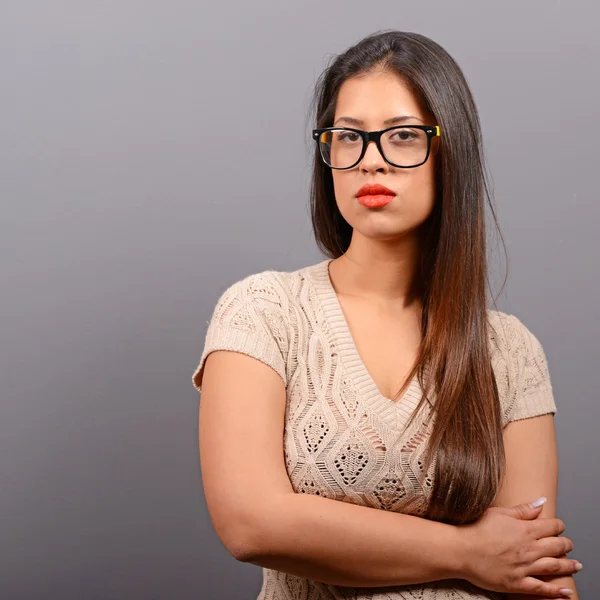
x=342, y=438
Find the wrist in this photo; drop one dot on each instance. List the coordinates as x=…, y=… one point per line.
x=461, y=560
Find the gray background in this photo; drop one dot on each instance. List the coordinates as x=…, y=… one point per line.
x=154, y=153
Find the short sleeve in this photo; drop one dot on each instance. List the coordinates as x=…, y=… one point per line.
x=249, y=317
x=530, y=388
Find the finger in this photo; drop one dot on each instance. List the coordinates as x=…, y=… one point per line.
x=520, y=511
x=547, y=527
x=530, y=585
x=552, y=547
x=553, y=566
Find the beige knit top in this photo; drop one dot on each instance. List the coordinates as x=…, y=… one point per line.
x=343, y=439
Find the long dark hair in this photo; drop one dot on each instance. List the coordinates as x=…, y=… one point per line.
x=467, y=431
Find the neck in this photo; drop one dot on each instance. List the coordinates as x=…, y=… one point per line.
x=382, y=271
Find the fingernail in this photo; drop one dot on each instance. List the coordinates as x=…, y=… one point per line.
x=566, y=591
x=578, y=566
x=537, y=502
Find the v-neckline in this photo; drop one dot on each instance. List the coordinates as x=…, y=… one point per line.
x=394, y=412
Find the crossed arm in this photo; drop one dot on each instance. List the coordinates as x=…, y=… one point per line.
x=250, y=408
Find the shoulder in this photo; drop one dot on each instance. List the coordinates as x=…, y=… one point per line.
x=249, y=318
x=520, y=366
x=262, y=304
x=509, y=333
x=269, y=289
x=256, y=315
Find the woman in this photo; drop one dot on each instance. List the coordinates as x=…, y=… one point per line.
x=369, y=428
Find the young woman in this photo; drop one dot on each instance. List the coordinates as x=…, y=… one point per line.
x=369, y=426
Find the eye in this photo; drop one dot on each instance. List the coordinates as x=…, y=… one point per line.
x=347, y=136
x=405, y=135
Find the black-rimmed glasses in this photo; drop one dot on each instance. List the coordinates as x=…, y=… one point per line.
x=404, y=146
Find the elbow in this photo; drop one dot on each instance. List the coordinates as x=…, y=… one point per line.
x=252, y=530
x=239, y=538
x=241, y=550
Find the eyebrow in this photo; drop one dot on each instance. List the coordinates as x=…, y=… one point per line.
x=391, y=121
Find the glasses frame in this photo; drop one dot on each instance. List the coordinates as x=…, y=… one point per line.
x=375, y=136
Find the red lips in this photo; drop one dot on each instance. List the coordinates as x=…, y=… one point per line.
x=374, y=189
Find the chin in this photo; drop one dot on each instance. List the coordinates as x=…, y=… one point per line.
x=381, y=231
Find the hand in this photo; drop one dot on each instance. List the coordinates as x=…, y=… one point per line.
x=507, y=546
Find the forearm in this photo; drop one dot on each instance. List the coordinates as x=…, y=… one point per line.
x=566, y=581
x=350, y=545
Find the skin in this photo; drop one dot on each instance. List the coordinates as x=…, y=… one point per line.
x=374, y=279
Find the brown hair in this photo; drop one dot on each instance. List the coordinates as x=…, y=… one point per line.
x=467, y=432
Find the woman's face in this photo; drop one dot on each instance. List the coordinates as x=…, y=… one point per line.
x=372, y=99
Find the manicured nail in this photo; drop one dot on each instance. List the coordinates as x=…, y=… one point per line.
x=566, y=591
x=578, y=566
x=537, y=502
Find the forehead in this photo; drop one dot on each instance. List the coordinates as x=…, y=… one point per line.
x=377, y=96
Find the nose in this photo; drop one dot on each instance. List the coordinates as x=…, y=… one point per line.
x=372, y=160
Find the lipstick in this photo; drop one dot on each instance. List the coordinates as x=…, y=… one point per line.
x=374, y=195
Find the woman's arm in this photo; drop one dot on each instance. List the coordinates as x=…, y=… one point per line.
x=532, y=471
x=260, y=519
